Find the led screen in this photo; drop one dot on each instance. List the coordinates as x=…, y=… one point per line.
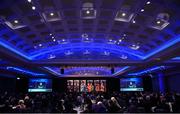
x=70, y=85
x=76, y=85
x=90, y=86
x=86, y=85
x=40, y=85
x=131, y=84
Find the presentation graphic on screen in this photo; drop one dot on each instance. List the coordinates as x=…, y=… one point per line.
x=83, y=86
x=90, y=86
x=131, y=84
x=76, y=85
x=70, y=85
x=40, y=85
x=86, y=85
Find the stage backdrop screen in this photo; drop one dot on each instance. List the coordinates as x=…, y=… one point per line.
x=86, y=85
x=40, y=85
x=131, y=84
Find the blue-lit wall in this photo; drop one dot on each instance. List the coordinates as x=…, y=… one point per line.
x=173, y=82
x=166, y=81
x=155, y=84
x=159, y=82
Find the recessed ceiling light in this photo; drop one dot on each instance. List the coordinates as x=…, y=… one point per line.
x=120, y=40
x=148, y=2
x=29, y=1
x=106, y=53
x=18, y=78
x=63, y=40
x=87, y=12
x=134, y=21
x=52, y=37
x=123, y=14
x=124, y=34
x=33, y=7
x=142, y=10
x=54, y=40
x=51, y=14
x=16, y=21
x=50, y=34
x=135, y=47
x=158, y=22
x=40, y=45
x=52, y=56
x=123, y=57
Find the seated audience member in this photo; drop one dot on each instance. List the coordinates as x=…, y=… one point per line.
x=115, y=102
x=21, y=105
x=27, y=102
x=114, y=105
x=101, y=108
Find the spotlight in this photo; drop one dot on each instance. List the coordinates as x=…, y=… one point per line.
x=16, y=21
x=50, y=34
x=52, y=37
x=29, y=1
x=120, y=40
x=54, y=40
x=18, y=78
x=134, y=21
x=51, y=14
x=87, y=12
x=33, y=7
x=148, y=2
x=158, y=22
x=142, y=10
x=40, y=45
x=123, y=14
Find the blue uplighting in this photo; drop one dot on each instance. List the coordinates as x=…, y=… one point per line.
x=11, y=48
x=96, y=46
x=150, y=70
x=121, y=70
x=24, y=71
x=81, y=46
x=176, y=58
x=168, y=44
x=52, y=71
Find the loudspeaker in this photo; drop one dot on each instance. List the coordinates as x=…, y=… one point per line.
x=112, y=70
x=62, y=71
